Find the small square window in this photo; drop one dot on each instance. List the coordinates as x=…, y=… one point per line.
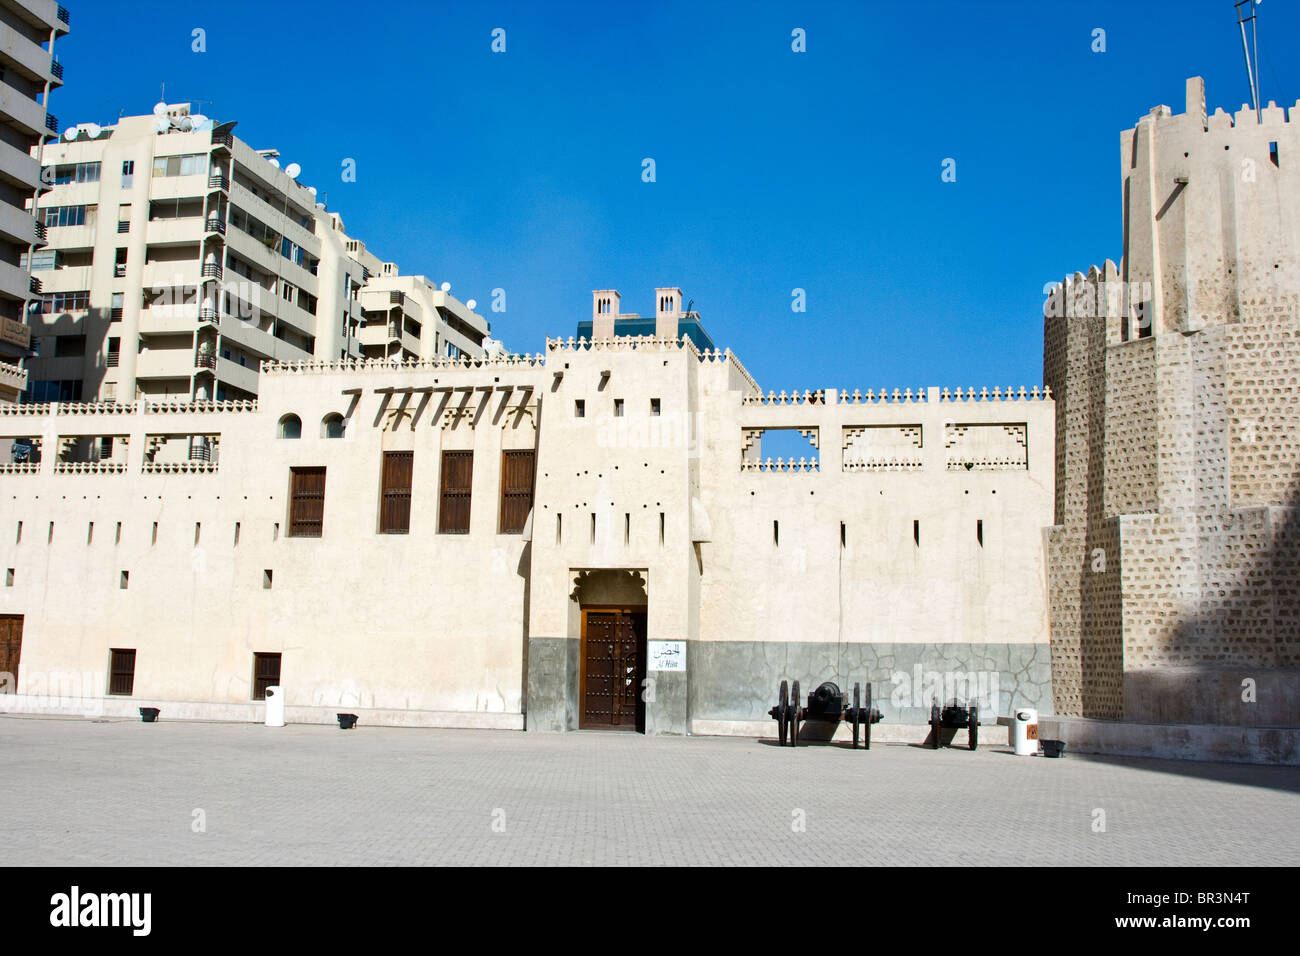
x=9, y=578
x=654, y=406
x=267, y=576
x=125, y=580
x=618, y=408
x=579, y=409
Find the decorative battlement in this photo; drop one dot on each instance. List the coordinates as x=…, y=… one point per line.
x=781, y=464
x=118, y=408
x=179, y=468
x=623, y=343
x=399, y=365
x=89, y=467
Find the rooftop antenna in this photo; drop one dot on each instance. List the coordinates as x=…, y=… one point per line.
x=1250, y=50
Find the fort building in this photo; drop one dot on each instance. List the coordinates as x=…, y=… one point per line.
x=526, y=541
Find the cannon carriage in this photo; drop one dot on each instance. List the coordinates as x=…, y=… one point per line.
x=825, y=704
x=956, y=714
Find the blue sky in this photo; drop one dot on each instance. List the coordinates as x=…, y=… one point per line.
x=775, y=170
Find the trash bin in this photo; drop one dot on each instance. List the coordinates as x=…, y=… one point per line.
x=1024, y=732
x=274, y=706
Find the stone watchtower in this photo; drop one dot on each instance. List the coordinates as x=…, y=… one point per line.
x=1173, y=575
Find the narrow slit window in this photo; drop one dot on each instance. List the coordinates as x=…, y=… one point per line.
x=90, y=532
x=236, y=534
x=627, y=529
x=618, y=408
x=655, y=407
x=198, y=527
x=268, y=577
x=661, y=529
x=1272, y=153
x=559, y=528
x=579, y=409
x=844, y=538
x=593, y=527
x=979, y=531
x=18, y=538
x=9, y=578
x=124, y=581
x=776, y=533
x=153, y=538
x=49, y=539
x=117, y=533
x=916, y=533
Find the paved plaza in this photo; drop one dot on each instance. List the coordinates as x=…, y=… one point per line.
x=82, y=792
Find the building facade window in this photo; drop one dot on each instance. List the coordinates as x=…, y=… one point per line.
x=456, y=486
x=121, y=679
x=516, y=489
x=56, y=302
x=306, y=502
x=190, y=164
x=290, y=425
x=266, y=673
x=395, y=492
x=54, y=216
x=128, y=173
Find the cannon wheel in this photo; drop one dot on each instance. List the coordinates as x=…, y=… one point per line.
x=974, y=726
x=934, y=725
x=794, y=715
x=866, y=720
x=782, y=711
x=857, y=711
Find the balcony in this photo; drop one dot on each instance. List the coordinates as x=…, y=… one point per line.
x=51, y=122
x=218, y=181
x=211, y=270
x=205, y=360
x=63, y=15
x=215, y=224
x=34, y=286
x=56, y=68
x=164, y=363
x=222, y=140
x=208, y=314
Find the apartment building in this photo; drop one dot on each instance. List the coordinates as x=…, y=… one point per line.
x=179, y=259
x=28, y=72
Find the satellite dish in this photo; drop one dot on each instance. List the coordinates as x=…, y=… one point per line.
x=292, y=170
x=184, y=123
x=445, y=287
x=162, y=124
x=71, y=132
x=273, y=161
x=92, y=130
x=312, y=190
x=198, y=118
x=319, y=205
x=471, y=305
x=160, y=109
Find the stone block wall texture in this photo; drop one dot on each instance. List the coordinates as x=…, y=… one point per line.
x=1173, y=561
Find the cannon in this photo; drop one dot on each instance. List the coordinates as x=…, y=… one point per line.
x=954, y=714
x=825, y=704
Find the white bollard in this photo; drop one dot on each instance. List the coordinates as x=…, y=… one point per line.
x=1024, y=732
x=274, y=706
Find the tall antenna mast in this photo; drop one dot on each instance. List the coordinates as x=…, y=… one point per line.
x=1252, y=73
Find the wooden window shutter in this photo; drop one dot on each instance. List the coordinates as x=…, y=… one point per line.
x=457, y=478
x=266, y=673
x=122, y=672
x=306, y=502
x=516, y=489
x=395, y=503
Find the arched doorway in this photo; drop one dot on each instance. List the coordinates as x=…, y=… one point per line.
x=612, y=650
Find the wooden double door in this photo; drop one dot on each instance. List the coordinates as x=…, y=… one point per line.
x=613, y=669
x=11, y=646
